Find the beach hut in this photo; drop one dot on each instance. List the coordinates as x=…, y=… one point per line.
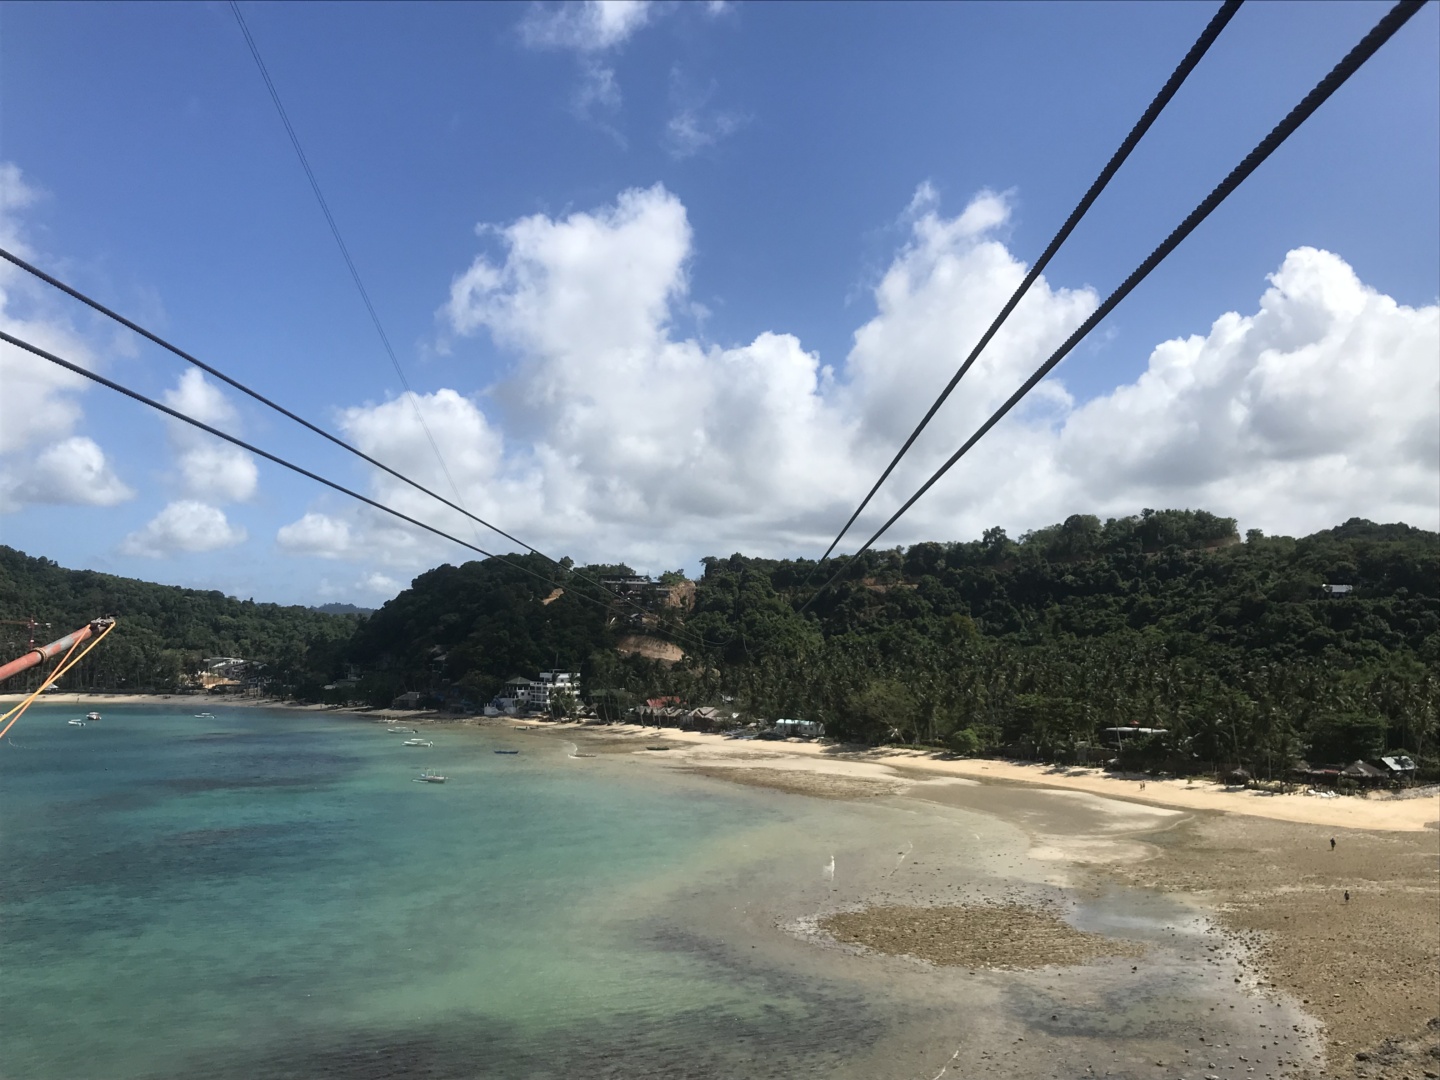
x=1363, y=773
x=1399, y=767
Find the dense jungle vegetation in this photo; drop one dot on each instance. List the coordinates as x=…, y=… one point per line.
x=164, y=631
x=1032, y=645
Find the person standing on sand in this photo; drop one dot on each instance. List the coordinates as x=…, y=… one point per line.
x=1332, y=843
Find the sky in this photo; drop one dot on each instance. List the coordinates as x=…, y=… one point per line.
x=676, y=280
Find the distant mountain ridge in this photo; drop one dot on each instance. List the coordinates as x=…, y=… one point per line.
x=164, y=630
x=342, y=609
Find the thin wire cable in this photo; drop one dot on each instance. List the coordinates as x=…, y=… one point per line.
x=1351, y=63
x=129, y=324
x=370, y=307
x=344, y=250
x=234, y=440
x=71, y=291
x=1172, y=85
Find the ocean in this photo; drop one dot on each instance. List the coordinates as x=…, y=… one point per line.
x=268, y=894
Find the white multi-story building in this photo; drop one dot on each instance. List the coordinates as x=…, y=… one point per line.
x=550, y=683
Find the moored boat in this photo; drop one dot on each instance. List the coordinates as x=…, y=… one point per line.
x=76, y=723
x=429, y=776
x=92, y=716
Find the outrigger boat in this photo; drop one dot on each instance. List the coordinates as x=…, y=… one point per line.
x=76, y=723
x=418, y=742
x=400, y=730
x=429, y=776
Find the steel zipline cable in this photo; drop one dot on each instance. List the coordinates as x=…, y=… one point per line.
x=1172, y=85
x=1393, y=20
x=349, y=262
x=71, y=291
x=135, y=395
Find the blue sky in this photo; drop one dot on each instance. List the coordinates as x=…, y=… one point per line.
x=705, y=225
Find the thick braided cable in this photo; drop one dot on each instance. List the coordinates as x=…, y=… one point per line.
x=95, y=305
x=1368, y=46
x=1172, y=85
x=135, y=395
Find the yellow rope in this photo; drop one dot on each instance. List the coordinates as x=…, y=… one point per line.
x=60, y=669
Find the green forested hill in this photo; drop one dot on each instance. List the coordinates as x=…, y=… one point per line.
x=163, y=630
x=1162, y=620
x=473, y=626
x=1037, y=644
x=1167, y=619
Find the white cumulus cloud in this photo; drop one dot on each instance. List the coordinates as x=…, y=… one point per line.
x=316, y=534
x=72, y=471
x=209, y=467
x=39, y=401
x=1322, y=405
x=184, y=526
x=588, y=26
x=621, y=439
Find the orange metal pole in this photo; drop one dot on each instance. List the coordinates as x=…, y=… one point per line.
x=45, y=652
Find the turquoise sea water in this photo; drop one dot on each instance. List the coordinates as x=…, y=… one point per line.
x=265, y=895
x=269, y=894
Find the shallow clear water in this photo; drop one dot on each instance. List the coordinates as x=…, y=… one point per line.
x=270, y=894
x=267, y=895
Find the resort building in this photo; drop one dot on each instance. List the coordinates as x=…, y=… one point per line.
x=535, y=695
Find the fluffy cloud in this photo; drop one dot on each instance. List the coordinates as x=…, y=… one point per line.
x=38, y=405
x=316, y=534
x=72, y=471
x=587, y=27
x=622, y=439
x=183, y=526
x=209, y=468
x=1320, y=406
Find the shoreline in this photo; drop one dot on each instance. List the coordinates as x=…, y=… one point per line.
x=1381, y=812
x=1378, y=812
x=1348, y=934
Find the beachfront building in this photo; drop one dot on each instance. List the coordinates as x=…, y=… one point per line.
x=810, y=729
x=534, y=695
x=551, y=684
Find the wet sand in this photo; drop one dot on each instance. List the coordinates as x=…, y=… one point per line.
x=1257, y=870
x=996, y=936
x=1367, y=970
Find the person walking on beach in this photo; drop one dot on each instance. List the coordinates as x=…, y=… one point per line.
x=1332, y=843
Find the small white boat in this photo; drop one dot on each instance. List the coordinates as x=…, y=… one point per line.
x=204, y=716
x=92, y=716
x=76, y=723
x=418, y=742
x=400, y=730
x=429, y=776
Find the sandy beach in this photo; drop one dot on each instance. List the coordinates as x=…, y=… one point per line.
x=1348, y=933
